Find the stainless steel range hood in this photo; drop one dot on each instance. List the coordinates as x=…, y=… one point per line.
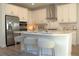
x=51, y=12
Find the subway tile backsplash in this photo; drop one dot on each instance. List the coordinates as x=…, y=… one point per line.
x=69, y=26
x=62, y=26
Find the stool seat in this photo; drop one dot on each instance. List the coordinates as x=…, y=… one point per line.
x=30, y=40
x=30, y=44
x=18, y=38
x=46, y=43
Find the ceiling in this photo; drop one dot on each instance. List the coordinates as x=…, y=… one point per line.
x=30, y=6
x=36, y=5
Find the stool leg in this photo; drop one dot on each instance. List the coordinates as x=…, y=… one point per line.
x=41, y=52
x=53, y=52
x=38, y=51
x=15, y=45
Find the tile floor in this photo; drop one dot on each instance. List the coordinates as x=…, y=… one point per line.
x=15, y=51
x=75, y=50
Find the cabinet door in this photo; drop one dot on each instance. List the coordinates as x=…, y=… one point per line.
x=25, y=13
x=35, y=16
x=42, y=15
x=11, y=10
x=65, y=13
x=72, y=13
x=39, y=15
x=60, y=13
x=74, y=37
x=29, y=16
x=22, y=13
x=8, y=10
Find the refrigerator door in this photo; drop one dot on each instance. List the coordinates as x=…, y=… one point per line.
x=12, y=24
x=15, y=23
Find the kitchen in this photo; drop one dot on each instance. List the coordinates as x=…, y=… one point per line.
x=42, y=18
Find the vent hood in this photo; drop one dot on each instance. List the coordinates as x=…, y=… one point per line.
x=51, y=12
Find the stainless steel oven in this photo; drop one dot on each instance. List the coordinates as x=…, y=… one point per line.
x=23, y=26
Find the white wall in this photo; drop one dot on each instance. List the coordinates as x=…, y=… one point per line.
x=2, y=26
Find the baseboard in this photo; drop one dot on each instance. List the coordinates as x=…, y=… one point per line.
x=2, y=46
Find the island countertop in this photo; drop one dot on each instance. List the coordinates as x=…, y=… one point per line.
x=57, y=33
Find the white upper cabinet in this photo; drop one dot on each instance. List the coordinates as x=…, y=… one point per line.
x=23, y=14
x=29, y=16
x=73, y=12
x=66, y=13
x=60, y=13
x=14, y=10
x=11, y=10
x=39, y=15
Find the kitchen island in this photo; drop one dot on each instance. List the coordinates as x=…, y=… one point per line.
x=63, y=41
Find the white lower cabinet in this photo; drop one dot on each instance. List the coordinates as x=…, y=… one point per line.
x=77, y=37
x=74, y=37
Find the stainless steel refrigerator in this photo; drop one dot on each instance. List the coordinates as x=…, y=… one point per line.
x=11, y=25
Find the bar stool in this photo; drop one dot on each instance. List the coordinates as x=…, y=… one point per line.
x=32, y=43
x=18, y=39
x=46, y=43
